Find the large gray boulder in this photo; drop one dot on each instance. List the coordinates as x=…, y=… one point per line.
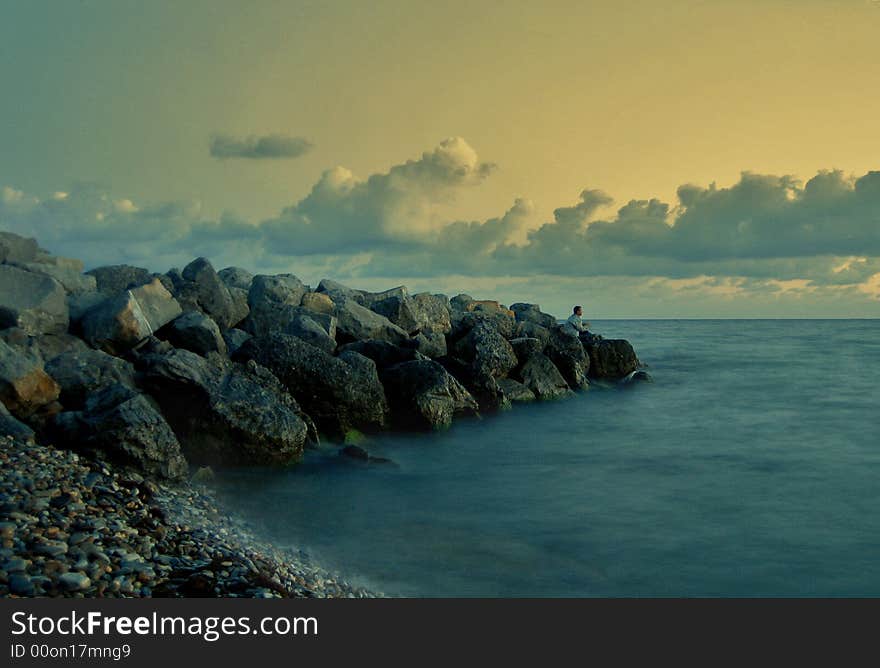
x=530, y=330
x=423, y=395
x=10, y=426
x=356, y=323
x=24, y=386
x=81, y=373
x=269, y=298
x=211, y=295
x=67, y=271
x=432, y=312
x=488, y=351
x=42, y=347
x=236, y=277
x=464, y=321
x=226, y=413
x=338, y=395
x=612, y=359
x=525, y=347
x=125, y=427
x=431, y=344
x=569, y=356
x=34, y=302
x=515, y=391
x=382, y=353
x=234, y=338
x=121, y=322
x=113, y=279
x=14, y=248
x=398, y=310
x=305, y=328
x=540, y=376
x=532, y=313
x=337, y=291
x=194, y=331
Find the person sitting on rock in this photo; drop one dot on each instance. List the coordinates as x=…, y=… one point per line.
x=577, y=327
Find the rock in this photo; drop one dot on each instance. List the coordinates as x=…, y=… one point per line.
x=226, y=413
x=236, y=277
x=74, y=581
x=568, y=355
x=540, y=376
x=526, y=347
x=113, y=279
x=122, y=321
x=371, y=298
x=489, y=353
x=308, y=330
x=356, y=323
x=355, y=452
x=10, y=426
x=612, y=359
x=338, y=395
x=240, y=308
x=34, y=302
x=460, y=302
x=14, y=248
x=432, y=313
x=464, y=321
x=21, y=585
x=234, y=338
x=24, y=386
x=81, y=373
x=68, y=274
x=337, y=291
x=42, y=347
x=268, y=296
x=318, y=302
x=212, y=295
x=382, y=353
x=203, y=476
x=483, y=387
x=532, y=331
x=80, y=304
x=635, y=377
x=124, y=426
x=195, y=331
x=431, y=344
x=516, y=392
x=398, y=310
x=532, y=313
x=423, y=395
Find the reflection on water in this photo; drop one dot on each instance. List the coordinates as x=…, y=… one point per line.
x=749, y=467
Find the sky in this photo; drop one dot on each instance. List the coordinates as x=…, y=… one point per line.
x=687, y=158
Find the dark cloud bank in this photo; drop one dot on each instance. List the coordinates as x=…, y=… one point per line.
x=269, y=147
x=825, y=231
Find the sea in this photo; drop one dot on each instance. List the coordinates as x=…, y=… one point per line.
x=750, y=466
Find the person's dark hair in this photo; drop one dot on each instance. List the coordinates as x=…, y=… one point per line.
x=575, y=309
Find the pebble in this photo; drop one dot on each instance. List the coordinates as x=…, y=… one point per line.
x=70, y=526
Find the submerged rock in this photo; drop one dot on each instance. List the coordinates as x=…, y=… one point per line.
x=542, y=377
x=612, y=359
x=423, y=395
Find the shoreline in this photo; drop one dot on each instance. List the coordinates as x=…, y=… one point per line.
x=75, y=527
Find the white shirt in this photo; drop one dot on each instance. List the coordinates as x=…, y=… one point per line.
x=575, y=323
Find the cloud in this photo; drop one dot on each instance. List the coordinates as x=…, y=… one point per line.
x=386, y=211
x=761, y=239
x=274, y=147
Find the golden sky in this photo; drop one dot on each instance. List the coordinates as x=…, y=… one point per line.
x=632, y=98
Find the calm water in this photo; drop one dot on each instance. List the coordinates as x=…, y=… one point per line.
x=751, y=466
